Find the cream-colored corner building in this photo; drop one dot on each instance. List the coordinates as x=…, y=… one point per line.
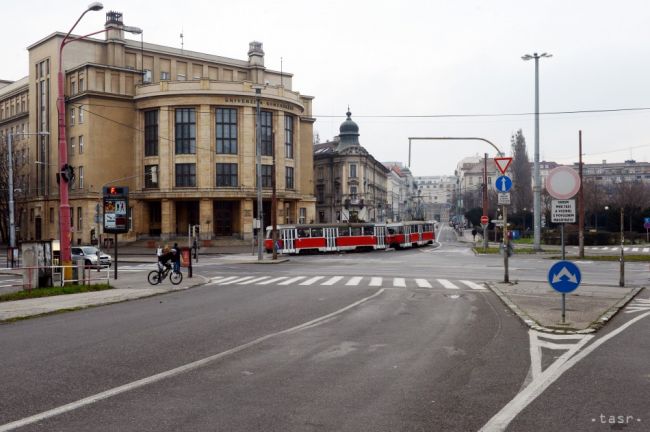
x=177, y=127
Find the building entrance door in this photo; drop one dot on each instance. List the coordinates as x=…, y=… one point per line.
x=224, y=212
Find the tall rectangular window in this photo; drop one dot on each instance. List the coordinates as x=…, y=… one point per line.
x=72, y=116
x=79, y=219
x=71, y=216
x=81, y=85
x=151, y=176
x=353, y=170
x=266, y=126
x=226, y=130
x=226, y=174
x=288, y=137
x=151, y=133
x=186, y=175
x=289, y=177
x=185, y=131
x=80, y=175
x=302, y=215
x=81, y=144
x=81, y=114
x=267, y=175
x=72, y=145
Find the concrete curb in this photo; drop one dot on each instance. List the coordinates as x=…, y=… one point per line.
x=593, y=327
x=107, y=301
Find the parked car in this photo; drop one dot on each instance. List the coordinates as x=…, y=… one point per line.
x=92, y=256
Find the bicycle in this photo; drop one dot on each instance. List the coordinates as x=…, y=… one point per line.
x=156, y=277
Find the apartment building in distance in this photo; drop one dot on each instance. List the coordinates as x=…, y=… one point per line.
x=175, y=126
x=350, y=184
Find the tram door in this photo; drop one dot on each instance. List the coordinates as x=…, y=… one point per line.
x=288, y=240
x=407, y=236
x=380, y=235
x=419, y=233
x=330, y=238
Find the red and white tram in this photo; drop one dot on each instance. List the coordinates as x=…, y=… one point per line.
x=294, y=239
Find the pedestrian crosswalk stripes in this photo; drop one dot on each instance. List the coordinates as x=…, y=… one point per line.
x=354, y=281
x=292, y=280
x=375, y=281
x=312, y=280
x=638, y=305
x=447, y=284
x=333, y=280
x=637, y=249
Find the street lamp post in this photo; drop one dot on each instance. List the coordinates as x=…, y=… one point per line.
x=64, y=205
x=537, y=188
x=64, y=170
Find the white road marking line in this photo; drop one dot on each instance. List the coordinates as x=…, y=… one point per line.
x=635, y=249
x=312, y=280
x=646, y=249
x=399, y=282
x=423, y=283
x=241, y=279
x=354, y=281
x=502, y=419
x=292, y=280
x=270, y=281
x=446, y=284
x=626, y=249
x=174, y=372
x=473, y=285
x=375, y=281
x=333, y=280
x=254, y=280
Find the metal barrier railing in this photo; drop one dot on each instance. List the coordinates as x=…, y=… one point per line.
x=31, y=275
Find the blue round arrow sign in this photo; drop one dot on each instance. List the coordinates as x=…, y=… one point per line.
x=503, y=184
x=564, y=276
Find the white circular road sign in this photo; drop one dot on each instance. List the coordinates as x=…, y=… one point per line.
x=563, y=182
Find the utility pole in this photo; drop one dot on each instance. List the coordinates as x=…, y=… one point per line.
x=274, y=207
x=485, y=200
x=621, y=281
x=258, y=162
x=581, y=204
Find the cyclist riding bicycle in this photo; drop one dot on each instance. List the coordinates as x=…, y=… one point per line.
x=164, y=260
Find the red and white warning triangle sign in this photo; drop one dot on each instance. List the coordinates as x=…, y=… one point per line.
x=503, y=163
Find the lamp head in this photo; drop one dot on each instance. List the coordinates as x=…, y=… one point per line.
x=134, y=30
x=95, y=6
x=527, y=57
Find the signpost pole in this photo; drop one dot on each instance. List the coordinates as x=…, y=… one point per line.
x=562, y=241
x=563, y=308
x=115, y=263
x=506, y=277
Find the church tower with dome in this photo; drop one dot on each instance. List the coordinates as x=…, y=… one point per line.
x=350, y=184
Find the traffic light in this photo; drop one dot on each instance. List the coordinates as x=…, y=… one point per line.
x=196, y=231
x=67, y=173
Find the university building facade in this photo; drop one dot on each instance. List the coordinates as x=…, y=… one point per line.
x=177, y=127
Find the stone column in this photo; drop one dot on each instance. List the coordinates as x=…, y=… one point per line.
x=246, y=219
x=206, y=218
x=168, y=219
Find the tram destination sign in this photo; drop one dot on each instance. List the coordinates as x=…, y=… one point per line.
x=563, y=211
x=116, y=205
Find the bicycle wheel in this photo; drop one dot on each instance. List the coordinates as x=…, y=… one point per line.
x=154, y=277
x=176, y=278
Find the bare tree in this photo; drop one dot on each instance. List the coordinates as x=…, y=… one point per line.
x=522, y=192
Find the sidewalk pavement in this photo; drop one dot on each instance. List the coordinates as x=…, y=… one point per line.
x=128, y=286
x=588, y=308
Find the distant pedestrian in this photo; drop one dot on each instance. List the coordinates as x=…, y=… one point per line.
x=474, y=232
x=159, y=251
x=176, y=258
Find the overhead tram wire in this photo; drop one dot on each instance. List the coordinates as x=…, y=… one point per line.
x=83, y=107
x=425, y=116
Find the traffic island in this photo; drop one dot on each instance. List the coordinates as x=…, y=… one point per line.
x=540, y=307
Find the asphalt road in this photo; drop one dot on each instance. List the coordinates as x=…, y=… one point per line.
x=384, y=341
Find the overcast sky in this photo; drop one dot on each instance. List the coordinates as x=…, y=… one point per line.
x=389, y=60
